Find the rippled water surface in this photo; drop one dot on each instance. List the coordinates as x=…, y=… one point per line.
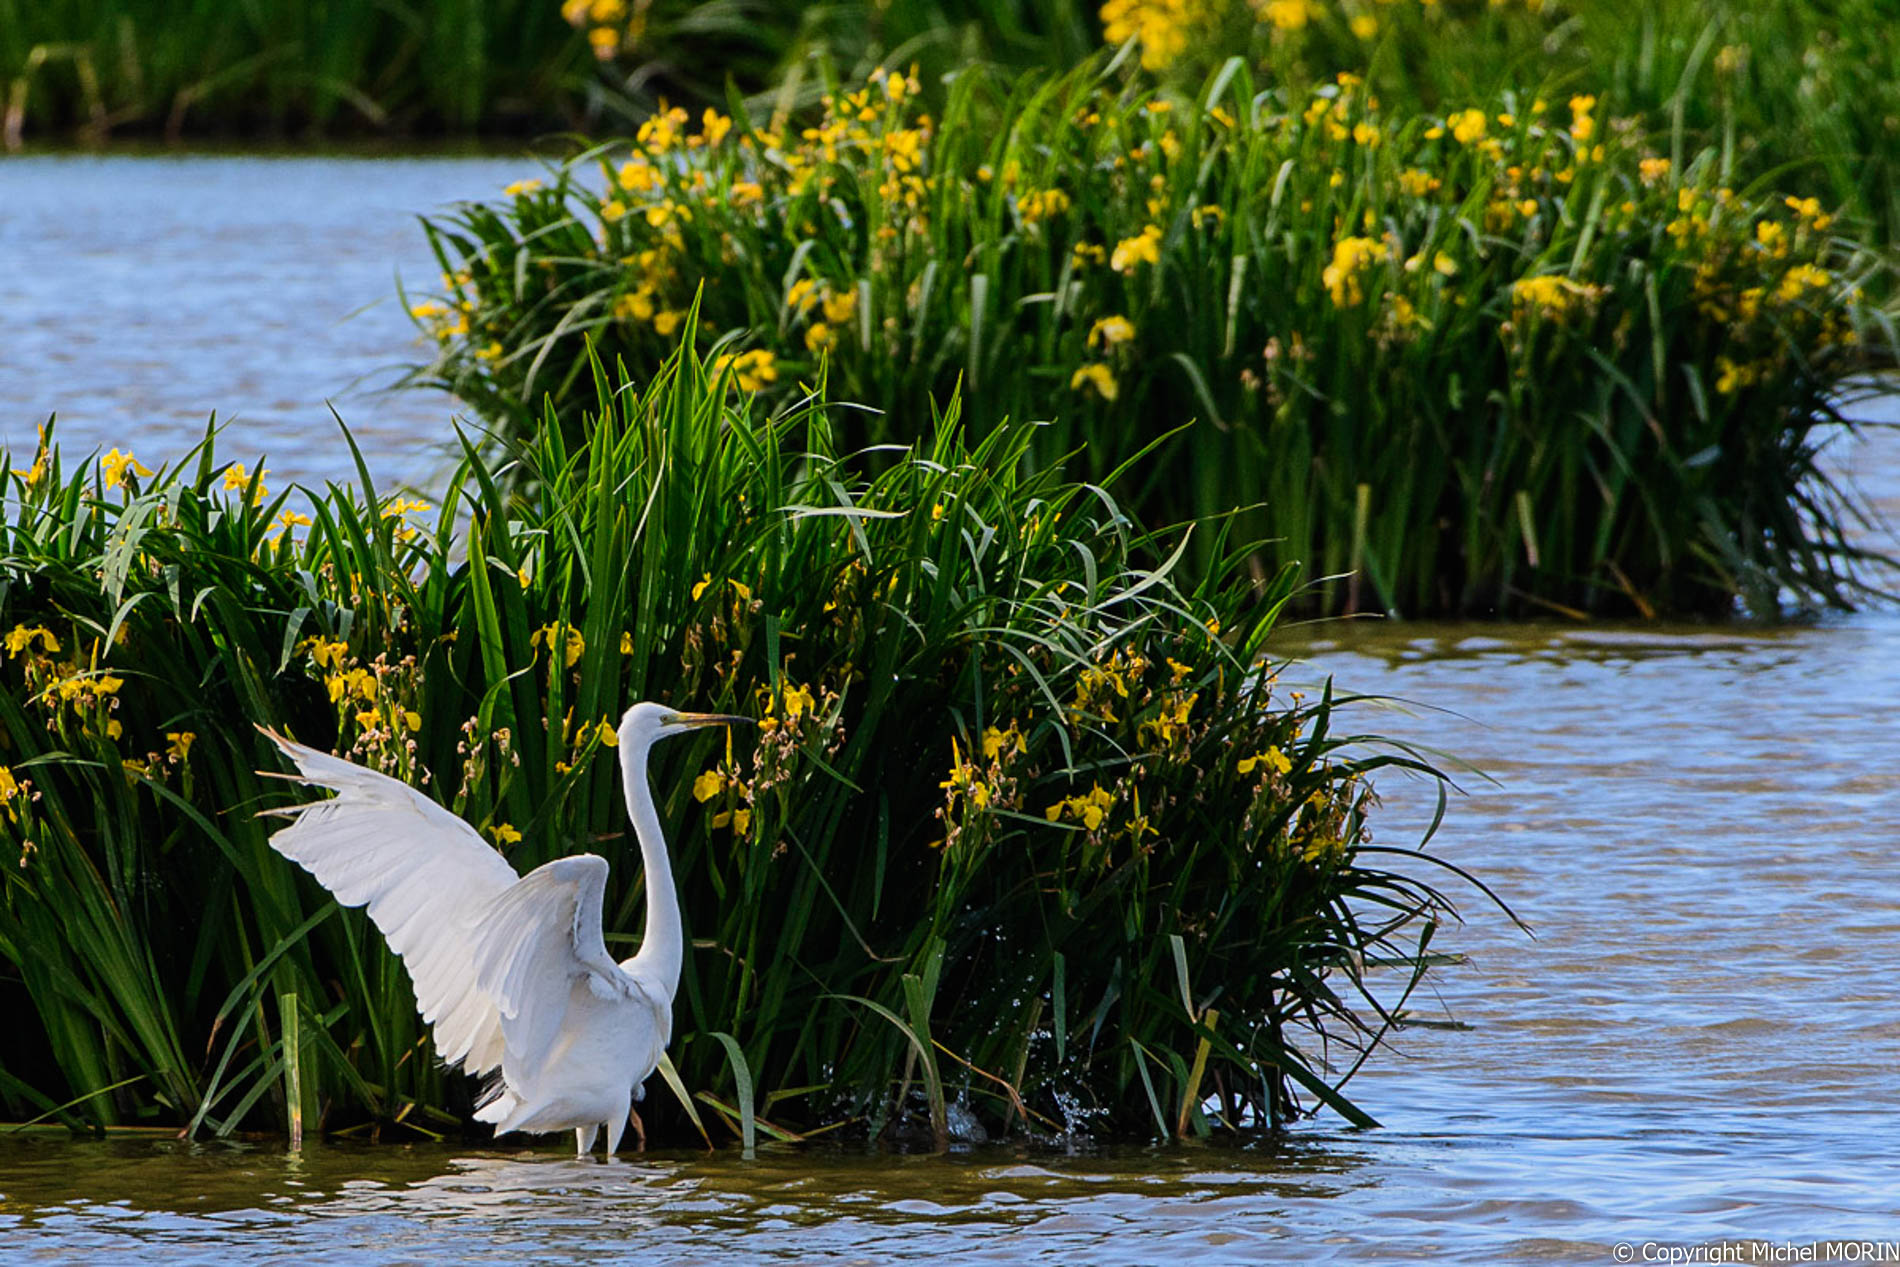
x=1701, y=826
x=142, y=294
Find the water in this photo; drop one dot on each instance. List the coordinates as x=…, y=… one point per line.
x=143, y=294
x=1699, y=824
x=389, y=1204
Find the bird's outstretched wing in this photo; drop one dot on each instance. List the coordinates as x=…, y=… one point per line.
x=427, y=880
x=538, y=941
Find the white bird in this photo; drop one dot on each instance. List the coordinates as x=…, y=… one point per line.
x=510, y=970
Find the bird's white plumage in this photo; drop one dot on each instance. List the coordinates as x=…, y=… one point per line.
x=509, y=970
x=424, y=877
x=541, y=930
x=512, y=971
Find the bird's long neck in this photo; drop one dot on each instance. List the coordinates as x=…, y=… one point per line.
x=663, y=946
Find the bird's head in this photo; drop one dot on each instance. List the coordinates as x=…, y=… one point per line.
x=648, y=723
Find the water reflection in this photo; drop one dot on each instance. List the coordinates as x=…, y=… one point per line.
x=1447, y=1191
x=1458, y=1187
x=127, y=1200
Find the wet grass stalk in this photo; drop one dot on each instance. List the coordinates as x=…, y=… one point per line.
x=1028, y=824
x=1507, y=358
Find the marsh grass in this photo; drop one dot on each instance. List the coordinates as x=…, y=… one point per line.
x=1505, y=359
x=105, y=66
x=102, y=67
x=1029, y=822
x=1801, y=93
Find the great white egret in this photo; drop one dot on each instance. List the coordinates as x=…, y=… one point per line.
x=511, y=970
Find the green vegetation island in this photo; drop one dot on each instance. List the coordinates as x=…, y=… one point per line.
x=965, y=394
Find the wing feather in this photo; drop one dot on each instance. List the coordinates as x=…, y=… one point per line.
x=537, y=939
x=426, y=878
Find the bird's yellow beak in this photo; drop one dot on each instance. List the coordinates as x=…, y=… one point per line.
x=711, y=719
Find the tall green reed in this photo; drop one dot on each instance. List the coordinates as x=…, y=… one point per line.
x=102, y=66
x=147, y=920
x=1029, y=821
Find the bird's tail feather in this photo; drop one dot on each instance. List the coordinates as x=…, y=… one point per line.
x=495, y=1102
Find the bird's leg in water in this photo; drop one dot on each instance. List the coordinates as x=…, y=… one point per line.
x=584, y=1139
x=639, y=1129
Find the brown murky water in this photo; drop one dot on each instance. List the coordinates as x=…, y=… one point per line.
x=1702, y=826
x=130, y=1202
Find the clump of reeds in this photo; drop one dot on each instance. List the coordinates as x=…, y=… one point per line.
x=1787, y=90
x=1503, y=358
x=1029, y=821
